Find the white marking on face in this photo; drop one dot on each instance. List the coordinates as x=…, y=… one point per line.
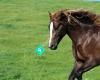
x=51, y=30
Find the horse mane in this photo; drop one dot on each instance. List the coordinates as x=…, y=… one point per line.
x=82, y=15
x=97, y=21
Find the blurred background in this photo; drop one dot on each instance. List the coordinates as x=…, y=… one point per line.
x=24, y=26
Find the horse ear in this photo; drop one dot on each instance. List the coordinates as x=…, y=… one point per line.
x=50, y=15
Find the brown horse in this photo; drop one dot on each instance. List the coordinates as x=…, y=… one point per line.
x=83, y=28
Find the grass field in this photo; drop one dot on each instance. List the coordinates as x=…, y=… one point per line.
x=23, y=26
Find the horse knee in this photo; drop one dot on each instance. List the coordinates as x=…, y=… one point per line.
x=78, y=74
x=89, y=65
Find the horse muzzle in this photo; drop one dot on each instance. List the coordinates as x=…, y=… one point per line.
x=53, y=47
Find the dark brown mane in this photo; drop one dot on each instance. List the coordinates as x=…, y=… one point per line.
x=84, y=16
x=97, y=20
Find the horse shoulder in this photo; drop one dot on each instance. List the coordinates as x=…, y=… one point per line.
x=89, y=46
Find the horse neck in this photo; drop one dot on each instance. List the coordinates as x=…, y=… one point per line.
x=74, y=35
x=78, y=33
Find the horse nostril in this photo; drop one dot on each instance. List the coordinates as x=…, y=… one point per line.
x=53, y=47
x=50, y=46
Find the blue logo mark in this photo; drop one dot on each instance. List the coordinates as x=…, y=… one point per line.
x=40, y=50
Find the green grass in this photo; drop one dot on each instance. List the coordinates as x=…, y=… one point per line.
x=23, y=25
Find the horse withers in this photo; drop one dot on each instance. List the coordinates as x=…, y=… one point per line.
x=83, y=28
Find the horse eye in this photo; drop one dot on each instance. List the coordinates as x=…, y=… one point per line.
x=59, y=28
x=56, y=25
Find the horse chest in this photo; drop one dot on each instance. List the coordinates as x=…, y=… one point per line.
x=89, y=47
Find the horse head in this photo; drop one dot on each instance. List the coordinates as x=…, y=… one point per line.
x=64, y=21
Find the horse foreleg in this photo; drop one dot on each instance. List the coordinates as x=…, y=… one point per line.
x=75, y=74
x=72, y=75
x=89, y=64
